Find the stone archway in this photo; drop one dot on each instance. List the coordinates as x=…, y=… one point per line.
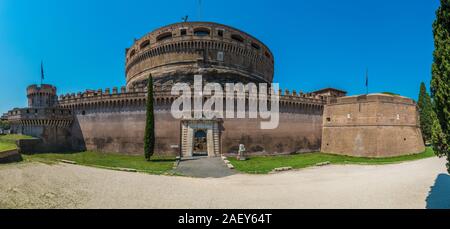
x=200, y=138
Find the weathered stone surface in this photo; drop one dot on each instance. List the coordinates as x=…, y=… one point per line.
x=218, y=52
x=375, y=125
x=10, y=156
x=282, y=169
x=68, y=162
x=323, y=163
x=127, y=170
x=113, y=121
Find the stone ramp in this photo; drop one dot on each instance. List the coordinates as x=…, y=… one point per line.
x=204, y=167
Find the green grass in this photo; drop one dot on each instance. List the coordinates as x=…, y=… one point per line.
x=8, y=142
x=4, y=146
x=158, y=165
x=265, y=164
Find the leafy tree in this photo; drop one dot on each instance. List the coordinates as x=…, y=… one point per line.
x=440, y=83
x=149, y=139
x=5, y=125
x=426, y=113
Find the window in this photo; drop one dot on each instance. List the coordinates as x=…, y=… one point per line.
x=267, y=55
x=183, y=32
x=256, y=46
x=201, y=32
x=237, y=38
x=328, y=119
x=83, y=113
x=133, y=52
x=220, y=33
x=145, y=44
x=164, y=36
x=220, y=56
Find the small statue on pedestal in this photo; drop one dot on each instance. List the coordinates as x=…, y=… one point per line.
x=241, y=153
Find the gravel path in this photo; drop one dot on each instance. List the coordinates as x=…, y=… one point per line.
x=417, y=184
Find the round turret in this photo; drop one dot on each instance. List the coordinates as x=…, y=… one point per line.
x=41, y=96
x=177, y=52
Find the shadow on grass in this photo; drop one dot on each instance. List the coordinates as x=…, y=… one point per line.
x=439, y=195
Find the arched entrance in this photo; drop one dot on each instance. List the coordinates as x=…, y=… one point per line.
x=200, y=138
x=200, y=143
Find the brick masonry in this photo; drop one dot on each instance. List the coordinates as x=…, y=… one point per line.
x=375, y=125
x=113, y=119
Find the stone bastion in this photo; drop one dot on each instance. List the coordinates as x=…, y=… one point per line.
x=374, y=125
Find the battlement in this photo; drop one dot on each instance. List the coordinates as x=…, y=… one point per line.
x=163, y=92
x=378, y=97
x=41, y=96
x=182, y=50
x=41, y=117
x=43, y=89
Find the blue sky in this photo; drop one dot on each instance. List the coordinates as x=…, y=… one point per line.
x=316, y=44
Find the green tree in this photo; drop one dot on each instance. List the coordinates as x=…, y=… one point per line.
x=149, y=139
x=440, y=83
x=425, y=111
x=5, y=125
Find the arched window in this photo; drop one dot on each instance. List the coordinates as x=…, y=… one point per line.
x=132, y=53
x=164, y=36
x=201, y=32
x=237, y=38
x=145, y=44
x=220, y=32
x=256, y=46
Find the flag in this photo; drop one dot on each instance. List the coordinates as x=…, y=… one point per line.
x=367, y=81
x=42, y=70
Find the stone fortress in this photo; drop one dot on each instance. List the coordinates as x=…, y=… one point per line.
x=113, y=120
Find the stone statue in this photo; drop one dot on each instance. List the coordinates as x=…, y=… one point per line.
x=241, y=153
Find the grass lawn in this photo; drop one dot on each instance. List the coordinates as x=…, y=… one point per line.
x=265, y=164
x=158, y=165
x=8, y=142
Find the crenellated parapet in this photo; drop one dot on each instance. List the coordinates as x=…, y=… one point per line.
x=179, y=51
x=41, y=95
x=136, y=97
x=55, y=117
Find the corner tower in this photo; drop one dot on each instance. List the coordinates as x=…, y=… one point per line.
x=41, y=96
x=374, y=125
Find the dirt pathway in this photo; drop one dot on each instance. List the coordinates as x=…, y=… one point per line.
x=417, y=184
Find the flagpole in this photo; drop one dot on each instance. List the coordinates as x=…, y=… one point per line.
x=42, y=72
x=367, y=81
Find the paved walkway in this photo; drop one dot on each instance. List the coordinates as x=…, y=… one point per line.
x=418, y=184
x=204, y=167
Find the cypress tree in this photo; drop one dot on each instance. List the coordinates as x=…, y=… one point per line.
x=149, y=139
x=440, y=83
x=425, y=111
